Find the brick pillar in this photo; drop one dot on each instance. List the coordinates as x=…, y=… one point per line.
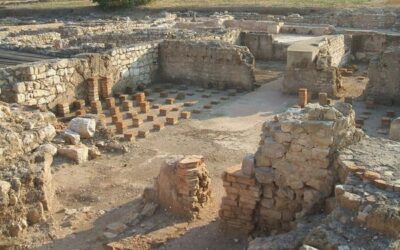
x=93, y=89
x=63, y=109
x=106, y=86
x=303, y=97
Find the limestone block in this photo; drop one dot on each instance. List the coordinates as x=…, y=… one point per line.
x=77, y=153
x=394, y=133
x=71, y=137
x=265, y=175
x=85, y=127
x=4, y=189
x=47, y=148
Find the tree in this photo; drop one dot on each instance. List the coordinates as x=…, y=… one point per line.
x=112, y=4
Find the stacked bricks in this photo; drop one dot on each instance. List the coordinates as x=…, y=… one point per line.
x=242, y=195
x=110, y=101
x=158, y=126
x=127, y=105
x=140, y=97
x=185, y=115
x=121, y=127
x=136, y=121
x=96, y=107
x=303, y=97
x=171, y=121
x=105, y=87
x=79, y=104
x=144, y=107
x=93, y=89
x=183, y=185
x=63, y=109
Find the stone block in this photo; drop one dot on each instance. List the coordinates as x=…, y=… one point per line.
x=85, y=127
x=77, y=153
x=185, y=115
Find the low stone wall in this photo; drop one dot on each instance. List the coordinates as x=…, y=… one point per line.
x=292, y=172
x=127, y=38
x=210, y=64
x=263, y=46
x=57, y=81
x=313, y=63
x=383, y=72
x=253, y=25
x=304, y=29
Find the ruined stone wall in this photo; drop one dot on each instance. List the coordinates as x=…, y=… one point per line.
x=263, y=46
x=364, y=18
x=313, y=63
x=26, y=194
x=306, y=29
x=367, y=45
x=384, y=81
x=292, y=172
x=36, y=39
x=133, y=65
x=25, y=175
x=208, y=64
x=22, y=131
x=255, y=26
x=57, y=81
x=123, y=39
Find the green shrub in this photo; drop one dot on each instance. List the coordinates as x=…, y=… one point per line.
x=113, y=4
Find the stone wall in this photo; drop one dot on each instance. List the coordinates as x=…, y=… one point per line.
x=57, y=81
x=365, y=45
x=210, y=64
x=255, y=26
x=313, y=63
x=384, y=81
x=263, y=46
x=25, y=175
x=292, y=172
x=126, y=38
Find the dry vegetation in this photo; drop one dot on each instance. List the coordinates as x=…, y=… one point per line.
x=156, y=4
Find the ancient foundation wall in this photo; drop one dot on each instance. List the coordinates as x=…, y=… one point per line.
x=384, y=83
x=56, y=81
x=212, y=63
x=263, y=46
x=292, y=172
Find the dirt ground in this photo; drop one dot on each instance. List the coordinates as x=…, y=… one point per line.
x=92, y=195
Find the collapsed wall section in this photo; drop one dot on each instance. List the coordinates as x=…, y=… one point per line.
x=313, y=64
x=209, y=64
x=384, y=82
x=292, y=172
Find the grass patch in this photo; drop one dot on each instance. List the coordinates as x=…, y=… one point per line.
x=265, y=3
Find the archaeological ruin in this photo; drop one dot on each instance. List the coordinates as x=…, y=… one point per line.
x=276, y=129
